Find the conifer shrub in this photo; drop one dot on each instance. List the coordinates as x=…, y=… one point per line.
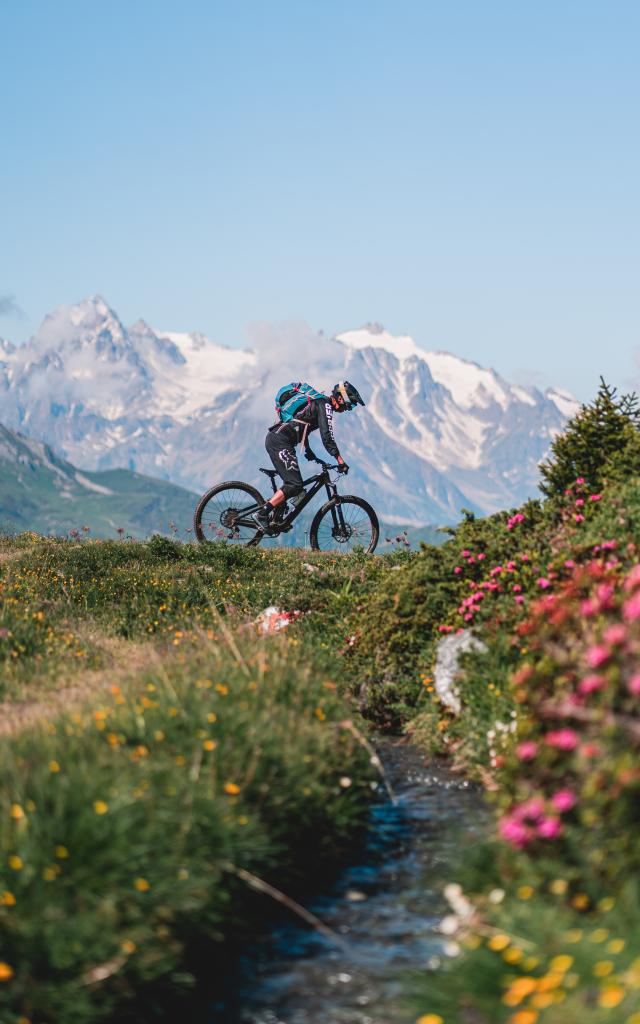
x=601, y=443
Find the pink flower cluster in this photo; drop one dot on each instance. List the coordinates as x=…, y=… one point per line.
x=535, y=819
x=514, y=520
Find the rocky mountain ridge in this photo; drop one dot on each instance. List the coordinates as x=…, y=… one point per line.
x=438, y=432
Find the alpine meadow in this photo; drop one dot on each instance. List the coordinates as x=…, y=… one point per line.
x=174, y=769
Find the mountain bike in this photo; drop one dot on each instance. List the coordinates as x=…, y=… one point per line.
x=342, y=523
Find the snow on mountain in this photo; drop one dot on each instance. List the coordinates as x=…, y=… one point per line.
x=438, y=432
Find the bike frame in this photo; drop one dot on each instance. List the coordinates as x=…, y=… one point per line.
x=318, y=481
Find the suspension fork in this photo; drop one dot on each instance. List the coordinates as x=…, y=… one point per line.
x=337, y=514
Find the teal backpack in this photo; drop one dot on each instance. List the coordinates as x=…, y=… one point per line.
x=293, y=398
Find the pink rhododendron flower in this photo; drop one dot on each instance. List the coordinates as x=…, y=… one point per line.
x=481, y=558
x=609, y=545
x=579, y=502
x=616, y=634
x=519, y=599
x=468, y=617
x=580, y=480
x=562, y=739
x=604, y=594
x=516, y=588
x=595, y=497
x=549, y=828
x=564, y=800
x=514, y=832
x=633, y=685
x=590, y=749
x=531, y=809
x=543, y=582
x=633, y=579
x=589, y=607
x=527, y=750
x=579, y=518
x=597, y=655
x=590, y=684
x=569, y=564
x=465, y=554
x=457, y=570
x=445, y=629
x=631, y=608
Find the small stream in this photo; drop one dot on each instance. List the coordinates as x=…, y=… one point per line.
x=385, y=908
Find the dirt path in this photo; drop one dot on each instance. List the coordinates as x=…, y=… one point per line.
x=124, y=659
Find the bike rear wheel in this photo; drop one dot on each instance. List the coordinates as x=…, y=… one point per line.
x=223, y=514
x=343, y=524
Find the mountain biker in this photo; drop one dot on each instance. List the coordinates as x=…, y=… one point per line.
x=282, y=438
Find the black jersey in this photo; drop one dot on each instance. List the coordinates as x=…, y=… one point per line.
x=317, y=415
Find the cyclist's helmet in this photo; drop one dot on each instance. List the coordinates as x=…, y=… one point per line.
x=346, y=395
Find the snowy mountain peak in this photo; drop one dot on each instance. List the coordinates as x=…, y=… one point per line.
x=470, y=385
x=376, y=336
x=438, y=432
x=81, y=323
x=563, y=401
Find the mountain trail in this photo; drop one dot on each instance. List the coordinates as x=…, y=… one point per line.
x=125, y=660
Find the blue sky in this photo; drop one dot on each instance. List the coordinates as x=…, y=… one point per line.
x=464, y=172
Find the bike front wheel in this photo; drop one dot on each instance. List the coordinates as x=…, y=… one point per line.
x=344, y=524
x=223, y=514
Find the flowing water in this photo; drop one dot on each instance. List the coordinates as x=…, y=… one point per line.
x=385, y=909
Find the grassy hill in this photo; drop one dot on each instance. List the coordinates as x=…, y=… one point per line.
x=46, y=494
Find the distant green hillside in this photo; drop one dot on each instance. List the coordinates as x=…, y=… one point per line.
x=41, y=492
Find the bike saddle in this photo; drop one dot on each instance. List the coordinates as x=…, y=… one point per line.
x=269, y=472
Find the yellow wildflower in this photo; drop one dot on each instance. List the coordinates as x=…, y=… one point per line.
x=127, y=946
x=212, y=717
x=606, y=904
x=8, y=899
x=6, y=972
x=100, y=807
x=498, y=942
x=573, y=935
x=231, y=788
x=15, y=863
x=430, y=1018
x=209, y=744
x=522, y=987
x=561, y=963
x=603, y=968
x=142, y=885
x=615, y=946
x=524, y=1017
x=512, y=955
x=17, y=812
x=54, y=766
x=559, y=886
x=524, y=892
x=542, y=999
x=549, y=981
x=61, y=852
x=610, y=997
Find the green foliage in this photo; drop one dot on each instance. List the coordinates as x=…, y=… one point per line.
x=124, y=825
x=59, y=600
x=602, y=442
